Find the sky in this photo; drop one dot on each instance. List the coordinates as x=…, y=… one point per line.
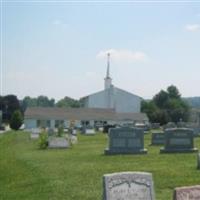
x=58, y=48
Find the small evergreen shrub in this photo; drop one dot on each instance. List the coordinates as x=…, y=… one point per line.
x=16, y=120
x=43, y=140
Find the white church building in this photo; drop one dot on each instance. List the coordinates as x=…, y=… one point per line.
x=112, y=97
x=109, y=106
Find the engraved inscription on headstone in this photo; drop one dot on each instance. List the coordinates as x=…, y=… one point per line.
x=128, y=186
x=178, y=140
x=187, y=193
x=126, y=141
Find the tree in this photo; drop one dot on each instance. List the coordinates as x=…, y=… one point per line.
x=68, y=102
x=8, y=104
x=166, y=106
x=173, y=92
x=16, y=120
x=161, y=99
x=42, y=101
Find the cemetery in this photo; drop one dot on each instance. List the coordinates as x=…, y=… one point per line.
x=83, y=171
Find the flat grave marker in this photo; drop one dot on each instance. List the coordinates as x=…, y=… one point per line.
x=58, y=142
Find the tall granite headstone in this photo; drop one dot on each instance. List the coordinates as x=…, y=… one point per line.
x=187, y=193
x=126, y=141
x=128, y=186
x=178, y=140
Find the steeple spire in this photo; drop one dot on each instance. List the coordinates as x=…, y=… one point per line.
x=107, y=79
x=108, y=66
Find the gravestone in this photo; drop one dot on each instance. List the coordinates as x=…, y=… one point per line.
x=170, y=125
x=155, y=125
x=35, y=133
x=158, y=138
x=58, y=142
x=187, y=193
x=178, y=140
x=126, y=141
x=128, y=186
x=198, y=161
x=89, y=131
x=181, y=124
x=51, y=132
x=196, y=131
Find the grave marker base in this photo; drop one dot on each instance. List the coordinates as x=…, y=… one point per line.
x=111, y=152
x=163, y=150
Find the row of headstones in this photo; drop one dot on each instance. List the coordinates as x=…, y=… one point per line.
x=131, y=141
x=53, y=140
x=140, y=186
x=194, y=126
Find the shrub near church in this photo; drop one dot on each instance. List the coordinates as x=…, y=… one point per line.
x=16, y=120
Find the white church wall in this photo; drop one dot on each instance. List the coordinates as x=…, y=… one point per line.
x=30, y=123
x=100, y=100
x=126, y=102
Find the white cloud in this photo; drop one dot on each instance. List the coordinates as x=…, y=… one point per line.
x=192, y=27
x=123, y=55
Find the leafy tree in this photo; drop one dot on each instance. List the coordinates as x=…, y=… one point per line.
x=173, y=92
x=161, y=99
x=8, y=104
x=16, y=120
x=41, y=101
x=67, y=102
x=166, y=106
x=44, y=101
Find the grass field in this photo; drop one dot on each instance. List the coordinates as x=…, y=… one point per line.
x=27, y=173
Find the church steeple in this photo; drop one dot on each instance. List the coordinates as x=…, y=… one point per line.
x=107, y=79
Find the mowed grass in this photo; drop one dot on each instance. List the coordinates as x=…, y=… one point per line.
x=27, y=173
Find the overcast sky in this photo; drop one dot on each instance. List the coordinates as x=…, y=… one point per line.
x=58, y=49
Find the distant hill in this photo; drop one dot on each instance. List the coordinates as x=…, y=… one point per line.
x=194, y=102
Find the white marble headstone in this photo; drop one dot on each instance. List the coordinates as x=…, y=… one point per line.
x=89, y=131
x=128, y=186
x=58, y=142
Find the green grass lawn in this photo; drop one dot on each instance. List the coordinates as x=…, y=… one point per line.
x=76, y=173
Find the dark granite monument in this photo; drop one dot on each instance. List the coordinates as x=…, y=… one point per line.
x=126, y=141
x=128, y=186
x=178, y=140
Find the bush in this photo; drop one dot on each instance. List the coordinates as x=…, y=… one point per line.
x=16, y=120
x=43, y=140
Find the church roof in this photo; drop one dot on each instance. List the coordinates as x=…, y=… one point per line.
x=80, y=114
x=112, y=87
